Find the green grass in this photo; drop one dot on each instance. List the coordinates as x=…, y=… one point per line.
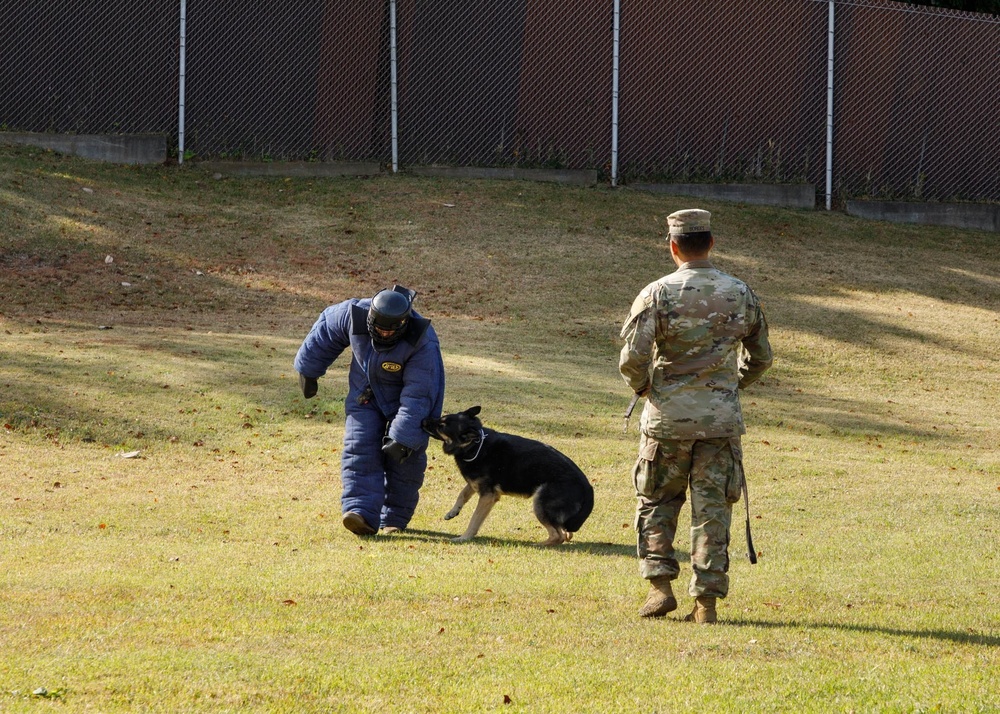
x=211, y=572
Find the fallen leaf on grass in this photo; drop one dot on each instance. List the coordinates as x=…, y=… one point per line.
x=130, y=454
x=288, y=602
x=507, y=699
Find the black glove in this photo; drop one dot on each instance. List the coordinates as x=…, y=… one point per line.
x=309, y=386
x=395, y=451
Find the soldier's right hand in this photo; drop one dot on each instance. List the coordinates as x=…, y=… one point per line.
x=309, y=386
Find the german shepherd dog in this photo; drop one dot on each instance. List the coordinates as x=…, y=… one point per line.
x=493, y=463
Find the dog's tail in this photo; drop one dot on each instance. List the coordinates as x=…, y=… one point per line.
x=576, y=521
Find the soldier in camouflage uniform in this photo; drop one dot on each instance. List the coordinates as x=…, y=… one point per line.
x=692, y=339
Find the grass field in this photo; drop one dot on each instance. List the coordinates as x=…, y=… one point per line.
x=157, y=310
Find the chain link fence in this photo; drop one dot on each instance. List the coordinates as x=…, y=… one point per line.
x=724, y=91
x=917, y=103
x=640, y=90
x=105, y=67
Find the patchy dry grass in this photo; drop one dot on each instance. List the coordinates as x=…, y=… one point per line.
x=210, y=572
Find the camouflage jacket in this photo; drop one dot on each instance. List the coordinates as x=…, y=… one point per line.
x=693, y=338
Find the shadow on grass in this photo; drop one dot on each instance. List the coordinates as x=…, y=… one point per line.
x=576, y=546
x=967, y=638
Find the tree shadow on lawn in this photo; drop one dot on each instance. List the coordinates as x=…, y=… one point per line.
x=531, y=401
x=967, y=638
x=574, y=361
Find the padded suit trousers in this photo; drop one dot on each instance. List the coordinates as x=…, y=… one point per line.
x=383, y=492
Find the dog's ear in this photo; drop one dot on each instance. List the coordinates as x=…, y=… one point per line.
x=473, y=411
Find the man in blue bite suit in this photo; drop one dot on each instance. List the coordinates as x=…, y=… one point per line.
x=396, y=381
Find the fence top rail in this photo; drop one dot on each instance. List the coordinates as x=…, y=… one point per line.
x=891, y=6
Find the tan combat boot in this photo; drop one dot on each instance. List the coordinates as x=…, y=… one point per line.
x=704, y=611
x=660, y=600
x=356, y=524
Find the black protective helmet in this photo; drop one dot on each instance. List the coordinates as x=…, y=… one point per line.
x=389, y=314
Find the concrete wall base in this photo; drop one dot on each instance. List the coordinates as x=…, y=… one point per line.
x=112, y=148
x=295, y=169
x=577, y=177
x=785, y=195
x=979, y=216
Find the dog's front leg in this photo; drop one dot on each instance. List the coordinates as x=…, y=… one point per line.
x=463, y=497
x=483, y=507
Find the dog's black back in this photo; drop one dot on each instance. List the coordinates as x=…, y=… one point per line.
x=506, y=463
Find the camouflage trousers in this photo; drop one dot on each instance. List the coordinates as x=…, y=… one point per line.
x=713, y=471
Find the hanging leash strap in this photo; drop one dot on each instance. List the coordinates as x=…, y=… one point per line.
x=628, y=412
x=751, y=551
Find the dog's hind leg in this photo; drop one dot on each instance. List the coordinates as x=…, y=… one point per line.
x=557, y=536
x=483, y=507
x=548, y=515
x=463, y=497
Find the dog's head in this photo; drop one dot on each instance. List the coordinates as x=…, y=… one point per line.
x=457, y=431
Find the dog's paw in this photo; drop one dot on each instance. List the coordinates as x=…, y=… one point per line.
x=450, y=514
x=461, y=539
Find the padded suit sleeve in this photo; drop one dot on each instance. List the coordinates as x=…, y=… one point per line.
x=422, y=395
x=330, y=335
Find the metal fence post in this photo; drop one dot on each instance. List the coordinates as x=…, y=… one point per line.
x=180, y=85
x=614, y=93
x=829, y=109
x=392, y=80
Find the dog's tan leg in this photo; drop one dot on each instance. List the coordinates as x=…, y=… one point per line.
x=463, y=497
x=483, y=507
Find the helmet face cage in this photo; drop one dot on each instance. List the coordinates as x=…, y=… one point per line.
x=387, y=318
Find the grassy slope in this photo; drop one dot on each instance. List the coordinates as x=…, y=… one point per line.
x=211, y=573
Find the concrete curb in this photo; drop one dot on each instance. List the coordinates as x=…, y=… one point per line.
x=575, y=177
x=797, y=195
x=978, y=216
x=112, y=148
x=296, y=169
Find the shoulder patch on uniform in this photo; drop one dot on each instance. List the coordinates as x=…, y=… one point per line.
x=392, y=366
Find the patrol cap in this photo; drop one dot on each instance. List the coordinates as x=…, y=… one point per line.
x=690, y=220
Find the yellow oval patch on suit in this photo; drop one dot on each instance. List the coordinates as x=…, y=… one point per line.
x=392, y=366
